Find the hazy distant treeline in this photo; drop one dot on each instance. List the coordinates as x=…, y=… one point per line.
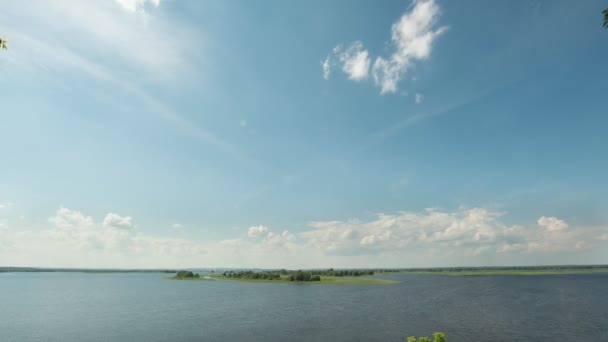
x=505, y=268
x=82, y=270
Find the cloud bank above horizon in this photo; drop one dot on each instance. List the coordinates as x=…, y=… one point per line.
x=405, y=239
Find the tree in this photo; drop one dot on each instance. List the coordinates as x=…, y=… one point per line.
x=605, y=18
x=3, y=44
x=437, y=337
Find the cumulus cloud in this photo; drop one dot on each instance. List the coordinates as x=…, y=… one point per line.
x=137, y=5
x=116, y=221
x=378, y=238
x=177, y=226
x=552, y=224
x=355, y=61
x=473, y=231
x=412, y=39
x=419, y=98
x=431, y=237
x=76, y=240
x=66, y=218
x=257, y=231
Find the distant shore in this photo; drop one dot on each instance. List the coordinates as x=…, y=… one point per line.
x=510, y=272
x=11, y=269
x=209, y=273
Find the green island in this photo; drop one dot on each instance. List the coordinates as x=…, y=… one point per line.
x=365, y=276
x=330, y=276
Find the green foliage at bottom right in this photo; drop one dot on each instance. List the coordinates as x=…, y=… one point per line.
x=437, y=337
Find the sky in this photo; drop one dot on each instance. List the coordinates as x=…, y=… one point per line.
x=174, y=133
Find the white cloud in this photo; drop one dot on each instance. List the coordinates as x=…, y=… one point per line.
x=552, y=224
x=76, y=240
x=116, y=221
x=472, y=231
x=5, y=205
x=377, y=238
x=71, y=219
x=419, y=98
x=177, y=226
x=355, y=61
x=136, y=5
x=432, y=237
x=326, y=66
x=257, y=231
x=412, y=37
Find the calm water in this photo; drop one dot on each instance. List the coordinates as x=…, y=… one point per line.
x=145, y=307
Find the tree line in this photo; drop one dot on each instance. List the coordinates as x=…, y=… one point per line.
x=252, y=275
x=186, y=275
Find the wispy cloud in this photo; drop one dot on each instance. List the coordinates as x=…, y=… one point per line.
x=326, y=65
x=107, y=43
x=103, y=33
x=412, y=38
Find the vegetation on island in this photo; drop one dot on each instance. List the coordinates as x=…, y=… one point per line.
x=605, y=12
x=186, y=275
x=437, y=337
x=299, y=275
x=252, y=275
x=327, y=276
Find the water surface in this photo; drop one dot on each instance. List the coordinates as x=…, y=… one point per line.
x=147, y=307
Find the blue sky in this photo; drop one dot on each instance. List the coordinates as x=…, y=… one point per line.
x=153, y=133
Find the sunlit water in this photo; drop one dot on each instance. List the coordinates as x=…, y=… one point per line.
x=146, y=307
